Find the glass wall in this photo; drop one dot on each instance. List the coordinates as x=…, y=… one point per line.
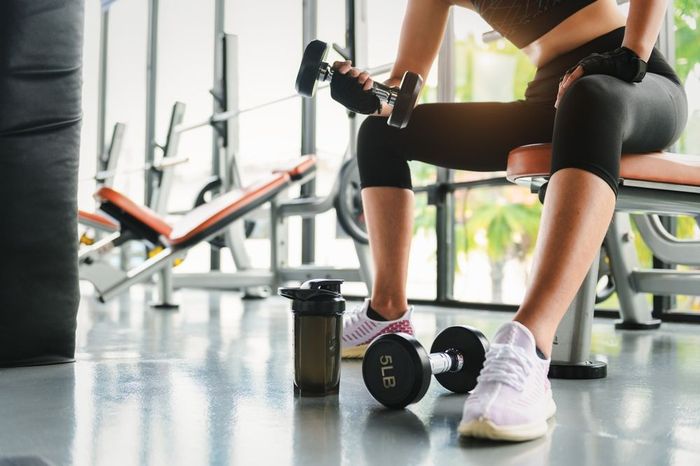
x=687, y=62
x=685, y=55
x=268, y=54
x=88, y=143
x=186, y=74
x=126, y=93
x=332, y=142
x=267, y=64
x=495, y=226
x=383, y=29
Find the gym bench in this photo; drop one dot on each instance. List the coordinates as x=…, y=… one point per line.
x=161, y=170
x=97, y=221
x=651, y=184
x=173, y=240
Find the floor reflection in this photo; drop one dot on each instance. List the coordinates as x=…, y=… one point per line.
x=212, y=384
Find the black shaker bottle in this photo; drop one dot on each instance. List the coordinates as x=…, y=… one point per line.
x=318, y=310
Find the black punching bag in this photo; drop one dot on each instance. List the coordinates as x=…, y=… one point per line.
x=41, y=45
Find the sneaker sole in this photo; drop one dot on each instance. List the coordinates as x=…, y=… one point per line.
x=483, y=428
x=354, y=352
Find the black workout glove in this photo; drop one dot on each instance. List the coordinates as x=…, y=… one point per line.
x=621, y=63
x=349, y=92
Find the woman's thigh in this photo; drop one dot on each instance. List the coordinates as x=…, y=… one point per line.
x=657, y=111
x=475, y=136
x=601, y=117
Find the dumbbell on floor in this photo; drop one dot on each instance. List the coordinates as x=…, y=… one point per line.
x=313, y=68
x=397, y=369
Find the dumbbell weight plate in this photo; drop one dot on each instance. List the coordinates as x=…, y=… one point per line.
x=396, y=370
x=411, y=85
x=307, y=77
x=473, y=346
x=348, y=203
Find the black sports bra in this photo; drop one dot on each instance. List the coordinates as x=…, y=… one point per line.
x=523, y=21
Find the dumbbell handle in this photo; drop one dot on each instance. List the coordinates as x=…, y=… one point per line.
x=447, y=361
x=385, y=93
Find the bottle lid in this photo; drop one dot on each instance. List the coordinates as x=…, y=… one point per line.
x=319, y=296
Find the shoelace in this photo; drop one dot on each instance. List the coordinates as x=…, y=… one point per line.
x=507, y=364
x=353, y=316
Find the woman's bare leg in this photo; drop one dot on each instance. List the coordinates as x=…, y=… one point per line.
x=563, y=253
x=576, y=215
x=389, y=214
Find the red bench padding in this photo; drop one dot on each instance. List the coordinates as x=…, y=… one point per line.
x=205, y=217
x=660, y=167
x=209, y=217
x=97, y=219
x=142, y=213
x=297, y=169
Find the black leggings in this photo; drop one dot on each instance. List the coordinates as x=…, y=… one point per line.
x=599, y=118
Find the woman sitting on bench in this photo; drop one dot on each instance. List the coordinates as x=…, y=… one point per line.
x=601, y=88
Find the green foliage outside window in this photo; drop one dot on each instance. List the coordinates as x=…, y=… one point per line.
x=686, y=16
x=687, y=41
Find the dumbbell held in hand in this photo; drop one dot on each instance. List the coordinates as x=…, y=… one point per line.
x=313, y=68
x=396, y=369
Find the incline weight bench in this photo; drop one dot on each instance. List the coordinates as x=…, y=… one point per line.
x=650, y=184
x=175, y=239
x=161, y=171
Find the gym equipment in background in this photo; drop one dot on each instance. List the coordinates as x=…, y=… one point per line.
x=650, y=184
x=313, y=69
x=605, y=287
x=343, y=198
x=348, y=202
x=107, y=170
x=103, y=223
x=172, y=240
x=397, y=369
x=41, y=44
x=137, y=223
x=162, y=174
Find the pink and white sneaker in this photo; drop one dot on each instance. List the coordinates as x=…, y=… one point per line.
x=513, y=397
x=359, y=330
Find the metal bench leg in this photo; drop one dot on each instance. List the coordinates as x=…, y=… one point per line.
x=165, y=291
x=572, y=342
x=235, y=240
x=140, y=273
x=634, y=308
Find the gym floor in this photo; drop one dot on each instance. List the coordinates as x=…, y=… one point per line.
x=212, y=384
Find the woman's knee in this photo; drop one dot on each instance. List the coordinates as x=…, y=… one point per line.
x=373, y=132
x=371, y=143
x=594, y=93
x=589, y=127
x=380, y=158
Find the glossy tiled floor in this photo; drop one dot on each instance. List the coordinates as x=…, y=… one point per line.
x=211, y=384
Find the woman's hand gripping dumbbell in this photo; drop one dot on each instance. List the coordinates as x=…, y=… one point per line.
x=356, y=90
x=397, y=369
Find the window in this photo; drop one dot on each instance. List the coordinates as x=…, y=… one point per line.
x=687, y=63
x=495, y=227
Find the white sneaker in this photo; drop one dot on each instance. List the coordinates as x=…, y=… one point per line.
x=513, y=397
x=359, y=330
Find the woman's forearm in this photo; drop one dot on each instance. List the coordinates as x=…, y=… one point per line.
x=421, y=35
x=643, y=25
